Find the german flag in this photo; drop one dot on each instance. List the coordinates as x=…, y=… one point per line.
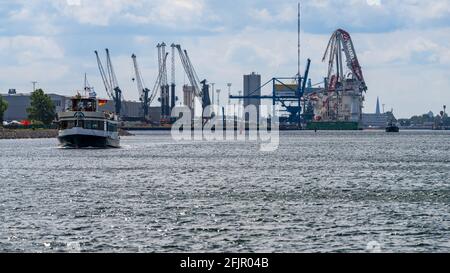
x=102, y=103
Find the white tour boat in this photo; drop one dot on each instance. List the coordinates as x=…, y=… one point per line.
x=83, y=126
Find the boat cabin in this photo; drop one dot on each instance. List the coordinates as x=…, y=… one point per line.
x=79, y=104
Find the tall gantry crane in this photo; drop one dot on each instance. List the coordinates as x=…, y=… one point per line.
x=163, y=83
x=158, y=84
x=144, y=92
x=110, y=81
x=173, y=84
x=203, y=92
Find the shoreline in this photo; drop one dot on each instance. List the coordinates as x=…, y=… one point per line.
x=37, y=133
x=53, y=133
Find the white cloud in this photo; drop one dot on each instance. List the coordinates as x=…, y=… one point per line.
x=374, y=2
x=401, y=47
x=281, y=14
x=99, y=12
x=420, y=11
x=46, y=73
x=105, y=12
x=41, y=23
x=29, y=49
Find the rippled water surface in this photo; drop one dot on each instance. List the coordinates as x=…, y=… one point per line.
x=330, y=191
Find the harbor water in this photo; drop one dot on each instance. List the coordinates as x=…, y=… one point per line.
x=319, y=192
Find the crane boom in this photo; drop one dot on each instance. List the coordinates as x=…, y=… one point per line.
x=143, y=91
x=110, y=81
x=110, y=69
x=159, y=79
x=173, y=64
x=138, y=77
x=189, y=70
x=203, y=92
x=341, y=41
x=104, y=77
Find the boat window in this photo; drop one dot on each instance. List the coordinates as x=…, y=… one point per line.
x=88, y=105
x=94, y=125
x=63, y=125
x=112, y=127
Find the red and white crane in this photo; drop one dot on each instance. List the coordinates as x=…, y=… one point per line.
x=340, y=42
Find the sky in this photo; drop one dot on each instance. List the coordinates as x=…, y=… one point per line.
x=403, y=45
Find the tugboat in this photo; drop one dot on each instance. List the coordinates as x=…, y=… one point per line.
x=83, y=126
x=392, y=127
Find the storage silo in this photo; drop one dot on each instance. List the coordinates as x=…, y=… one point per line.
x=252, y=87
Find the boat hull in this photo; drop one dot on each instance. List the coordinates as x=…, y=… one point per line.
x=87, y=141
x=392, y=130
x=333, y=126
x=82, y=138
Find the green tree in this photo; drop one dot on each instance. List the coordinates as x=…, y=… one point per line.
x=42, y=108
x=3, y=108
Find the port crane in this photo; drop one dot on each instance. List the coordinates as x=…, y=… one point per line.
x=173, y=82
x=292, y=101
x=343, y=96
x=203, y=92
x=162, y=84
x=110, y=81
x=144, y=92
x=158, y=84
x=340, y=42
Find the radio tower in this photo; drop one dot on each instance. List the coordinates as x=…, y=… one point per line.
x=298, y=41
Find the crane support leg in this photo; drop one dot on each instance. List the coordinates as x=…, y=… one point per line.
x=172, y=96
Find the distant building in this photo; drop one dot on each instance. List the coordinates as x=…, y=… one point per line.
x=377, y=121
x=188, y=96
x=18, y=104
x=155, y=114
x=252, y=87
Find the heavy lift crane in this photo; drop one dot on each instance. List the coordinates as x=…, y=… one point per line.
x=340, y=42
x=203, y=92
x=144, y=92
x=110, y=81
x=344, y=85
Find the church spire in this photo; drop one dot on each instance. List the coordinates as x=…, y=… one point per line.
x=378, y=112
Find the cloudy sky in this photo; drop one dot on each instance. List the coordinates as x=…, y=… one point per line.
x=403, y=45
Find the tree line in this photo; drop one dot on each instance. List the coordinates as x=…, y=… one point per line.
x=42, y=109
